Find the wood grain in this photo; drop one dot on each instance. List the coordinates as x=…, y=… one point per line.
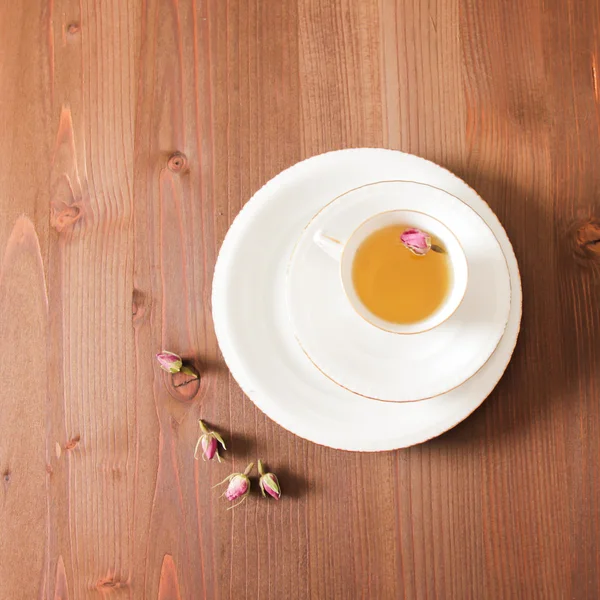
x=132, y=134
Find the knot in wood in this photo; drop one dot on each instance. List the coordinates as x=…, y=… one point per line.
x=138, y=306
x=183, y=386
x=587, y=240
x=63, y=216
x=107, y=584
x=177, y=162
x=73, y=28
x=72, y=443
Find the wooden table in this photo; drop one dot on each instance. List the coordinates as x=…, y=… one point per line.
x=131, y=134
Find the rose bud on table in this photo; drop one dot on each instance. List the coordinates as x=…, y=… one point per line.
x=209, y=443
x=169, y=361
x=269, y=484
x=239, y=486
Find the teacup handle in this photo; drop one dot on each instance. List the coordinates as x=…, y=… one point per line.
x=329, y=245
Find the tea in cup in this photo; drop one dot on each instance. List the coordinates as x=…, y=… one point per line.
x=402, y=271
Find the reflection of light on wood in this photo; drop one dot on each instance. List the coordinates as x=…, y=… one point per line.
x=61, y=587
x=595, y=77
x=168, y=588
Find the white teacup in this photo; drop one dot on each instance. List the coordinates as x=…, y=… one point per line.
x=344, y=253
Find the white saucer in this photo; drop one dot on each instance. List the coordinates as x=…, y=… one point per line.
x=255, y=334
x=375, y=363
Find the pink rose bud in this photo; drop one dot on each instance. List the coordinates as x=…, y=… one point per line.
x=209, y=447
x=417, y=241
x=269, y=484
x=169, y=361
x=239, y=486
x=209, y=443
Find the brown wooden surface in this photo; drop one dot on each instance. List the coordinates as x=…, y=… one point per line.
x=108, y=239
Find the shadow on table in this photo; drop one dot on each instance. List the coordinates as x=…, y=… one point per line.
x=293, y=484
x=240, y=446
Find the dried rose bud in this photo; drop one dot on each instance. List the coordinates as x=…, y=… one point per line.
x=169, y=361
x=268, y=483
x=210, y=448
x=417, y=241
x=209, y=442
x=239, y=486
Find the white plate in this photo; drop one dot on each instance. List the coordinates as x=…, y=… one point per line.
x=255, y=334
x=375, y=363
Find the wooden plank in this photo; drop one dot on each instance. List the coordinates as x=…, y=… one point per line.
x=91, y=62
